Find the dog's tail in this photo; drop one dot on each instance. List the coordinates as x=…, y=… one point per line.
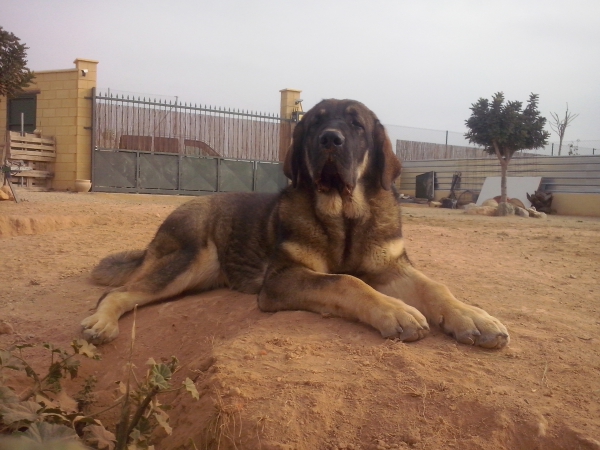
x=116, y=269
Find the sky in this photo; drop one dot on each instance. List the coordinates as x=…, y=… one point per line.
x=418, y=63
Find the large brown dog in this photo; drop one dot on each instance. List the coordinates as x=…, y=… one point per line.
x=329, y=243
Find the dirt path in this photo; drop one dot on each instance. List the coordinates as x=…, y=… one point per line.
x=296, y=380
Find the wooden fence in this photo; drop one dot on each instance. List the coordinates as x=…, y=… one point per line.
x=31, y=158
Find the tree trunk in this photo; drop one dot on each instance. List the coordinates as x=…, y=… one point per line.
x=503, y=189
x=504, y=161
x=560, y=143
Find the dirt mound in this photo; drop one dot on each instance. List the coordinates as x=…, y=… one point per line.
x=296, y=380
x=19, y=225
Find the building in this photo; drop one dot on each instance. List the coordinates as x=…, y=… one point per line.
x=57, y=104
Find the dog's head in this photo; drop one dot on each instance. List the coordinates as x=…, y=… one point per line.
x=337, y=144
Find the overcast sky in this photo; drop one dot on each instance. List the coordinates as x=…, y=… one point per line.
x=418, y=63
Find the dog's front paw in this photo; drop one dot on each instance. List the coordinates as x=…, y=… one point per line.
x=396, y=319
x=473, y=326
x=100, y=328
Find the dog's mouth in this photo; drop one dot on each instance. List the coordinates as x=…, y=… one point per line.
x=331, y=179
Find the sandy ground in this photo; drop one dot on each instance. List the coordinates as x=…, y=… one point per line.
x=296, y=380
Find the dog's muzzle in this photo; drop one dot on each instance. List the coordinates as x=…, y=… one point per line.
x=333, y=175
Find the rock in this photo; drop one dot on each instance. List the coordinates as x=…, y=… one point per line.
x=521, y=212
x=490, y=202
x=412, y=436
x=537, y=215
x=482, y=211
x=512, y=201
x=506, y=209
x=6, y=328
x=469, y=206
x=234, y=391
x=516, y=202
x=6, y=193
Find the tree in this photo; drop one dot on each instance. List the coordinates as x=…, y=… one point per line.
x=14, y=75
x=503, y=129
x=560, y=126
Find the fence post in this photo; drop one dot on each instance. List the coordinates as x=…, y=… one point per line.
x=289, y=98
x=446, y=143
x=552, y=154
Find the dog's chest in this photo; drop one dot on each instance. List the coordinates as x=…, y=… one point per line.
x=355, y=247
x=326, y=239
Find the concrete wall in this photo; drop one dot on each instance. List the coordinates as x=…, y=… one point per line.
x=577, y=204
x=63, y=111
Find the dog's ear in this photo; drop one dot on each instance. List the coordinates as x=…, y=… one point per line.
x=386, y=162
x=293, y=158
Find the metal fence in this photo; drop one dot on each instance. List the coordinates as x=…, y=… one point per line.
x=416, y=151
x=457, y=139
x=167, y=173
x=404, y=133
x=128, y=122
x=162, y=146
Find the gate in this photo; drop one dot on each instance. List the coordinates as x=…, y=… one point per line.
x=164, y=173
x=160, y=147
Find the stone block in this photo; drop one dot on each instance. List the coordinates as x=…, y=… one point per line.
x=506, y=209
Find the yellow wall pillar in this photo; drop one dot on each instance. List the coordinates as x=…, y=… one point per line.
x=86, y=81
x=289, y=104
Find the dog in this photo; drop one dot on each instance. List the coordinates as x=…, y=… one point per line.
x=331, y=242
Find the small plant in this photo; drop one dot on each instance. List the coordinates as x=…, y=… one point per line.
x=46, y=415
x=43, y=413
x=141, y=412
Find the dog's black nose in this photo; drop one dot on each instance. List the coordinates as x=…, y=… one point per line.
x=331, y=138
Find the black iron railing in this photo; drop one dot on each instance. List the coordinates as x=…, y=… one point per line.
x=134, y=123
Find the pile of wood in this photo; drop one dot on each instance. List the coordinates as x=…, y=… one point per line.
x=31, y=158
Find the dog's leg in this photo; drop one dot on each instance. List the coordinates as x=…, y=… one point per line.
x=468, y=324
x=156, y=279
x=344, y=296
x=102, y=326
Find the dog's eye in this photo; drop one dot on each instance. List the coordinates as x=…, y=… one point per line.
x=357, y=124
